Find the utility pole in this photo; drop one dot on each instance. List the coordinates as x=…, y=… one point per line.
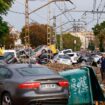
x=27, y=13
x=54, y=34
x=27, y=38
x=97, y=17
x=61, y=39
x=48, y=25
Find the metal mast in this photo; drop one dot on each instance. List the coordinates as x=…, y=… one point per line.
x=61, y=28
x=49, y=26
x=61, y=39
x=54, y=37
x=26, y=39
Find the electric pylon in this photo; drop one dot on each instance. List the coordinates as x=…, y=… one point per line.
x=26, y=38
x=49, y=26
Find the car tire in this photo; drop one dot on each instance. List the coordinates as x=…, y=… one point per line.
x=6, y=99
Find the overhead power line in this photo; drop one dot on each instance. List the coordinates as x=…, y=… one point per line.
x=67, y=8
x=62, y=13
x=94, y=5
x=21, y=13
x=99, y=4
x=102, y=10
x=88, y=11
x=16, y=12
x=42, y=17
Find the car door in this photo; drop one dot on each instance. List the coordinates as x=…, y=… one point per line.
x=4, y=74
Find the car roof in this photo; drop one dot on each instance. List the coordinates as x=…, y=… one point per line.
x=9, y=51
x=16, y=66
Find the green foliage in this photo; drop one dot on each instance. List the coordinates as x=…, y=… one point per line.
x=5, y=5
x=98, y=27
x=38, y=34
x=4, y=30
x=68, y=42
x=99, y=31
x=91, y=46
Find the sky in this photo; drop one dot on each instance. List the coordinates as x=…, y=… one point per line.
x=41, y=16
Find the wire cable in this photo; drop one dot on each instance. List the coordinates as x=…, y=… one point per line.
x=102, y=11
x=63, y=13
x=94, y=5
x=21, y=13
x=16, y=12
x=99, y=4
x=42, y=17
x=68, y=12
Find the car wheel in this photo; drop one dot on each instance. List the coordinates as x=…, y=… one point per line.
x=6, y=100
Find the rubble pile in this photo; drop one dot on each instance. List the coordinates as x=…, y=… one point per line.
x=61, y=67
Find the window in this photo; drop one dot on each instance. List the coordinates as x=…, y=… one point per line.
x=38, y=48
x=34, y=71
x=64, y=57
x=5, y=73
x=71, y=55
x=1, y=57
x=8, y=57
x=67, y=51
x=9, y=53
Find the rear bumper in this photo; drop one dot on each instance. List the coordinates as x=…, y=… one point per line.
x=57, y=100
x=46, y=100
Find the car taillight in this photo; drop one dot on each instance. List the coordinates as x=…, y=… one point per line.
x=63, y=83
x=29, y=85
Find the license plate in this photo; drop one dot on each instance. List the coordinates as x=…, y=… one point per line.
x=47, y=86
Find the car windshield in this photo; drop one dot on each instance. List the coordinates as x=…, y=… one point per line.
x=71, y=55
x=67, y=51
x=1, y=57
x=38, y=48
x=8, y=53
x=31, y=71
x=64, y=56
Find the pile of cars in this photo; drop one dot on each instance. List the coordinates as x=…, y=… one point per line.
x=26, y=83
x=66, y=57
x=30, y=84
x=43, y=55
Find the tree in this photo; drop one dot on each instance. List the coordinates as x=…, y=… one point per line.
x=102, y=40
x=4, y=31
x=91, y=46
x=69, y=42
x=98, y=27
x=99, y=32
x=37, y=34
x=5, y=5
x=9, y=42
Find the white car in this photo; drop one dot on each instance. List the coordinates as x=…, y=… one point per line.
x=66, y=51
x=10, y=56
x=62, y=59
x=96, y=58
x=74, y=57
x=12, y=52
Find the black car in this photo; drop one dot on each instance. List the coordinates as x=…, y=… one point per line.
x=2, y=59
x=24, y=84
